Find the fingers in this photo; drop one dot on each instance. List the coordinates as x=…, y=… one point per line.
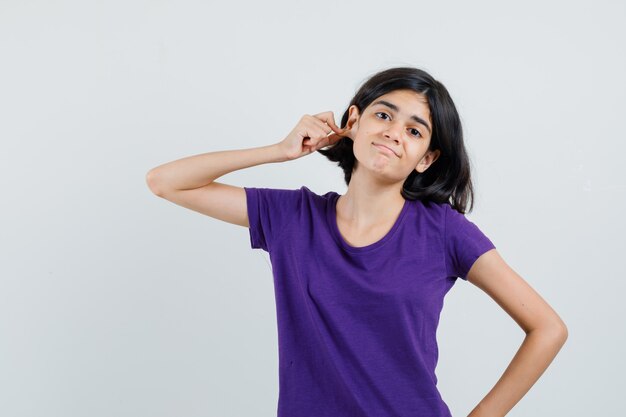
x=327, y=141
x=320, y=131
x=333, y=138
x=335, y=134
x=329, y=118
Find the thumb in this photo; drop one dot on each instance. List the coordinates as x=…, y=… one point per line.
x=336, y=137
x=329, y=140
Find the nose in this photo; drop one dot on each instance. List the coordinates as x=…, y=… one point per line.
x=394, y=132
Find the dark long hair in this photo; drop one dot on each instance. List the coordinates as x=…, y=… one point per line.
x=448, y=179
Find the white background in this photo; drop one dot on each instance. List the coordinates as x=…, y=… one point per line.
x=114, y=302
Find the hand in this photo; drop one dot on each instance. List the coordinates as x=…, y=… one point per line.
x=310, y=134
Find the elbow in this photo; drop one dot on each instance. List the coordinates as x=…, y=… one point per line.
x=151, y=181
x=563, y=332
x=558, y=332
x=554, y=330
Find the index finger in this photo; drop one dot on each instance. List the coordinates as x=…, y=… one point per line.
x=329, y=119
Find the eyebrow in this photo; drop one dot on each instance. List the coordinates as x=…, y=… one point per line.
x=395, y=108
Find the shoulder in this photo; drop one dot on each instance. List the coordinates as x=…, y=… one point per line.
x=293, y=198
x=313, y=199
x=431, y=213
x=443, y=213
x=275, y=195
x=442, y=219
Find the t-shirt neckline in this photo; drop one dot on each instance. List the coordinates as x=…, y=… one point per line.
x=332, y=219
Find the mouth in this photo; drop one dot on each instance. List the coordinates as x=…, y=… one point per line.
x=385, y=149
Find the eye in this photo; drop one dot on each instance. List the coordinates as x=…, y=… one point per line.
x=417, y=132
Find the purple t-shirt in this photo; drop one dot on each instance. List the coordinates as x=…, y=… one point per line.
x=357, y=325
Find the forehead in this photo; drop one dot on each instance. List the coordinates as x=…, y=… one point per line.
x=408, y=101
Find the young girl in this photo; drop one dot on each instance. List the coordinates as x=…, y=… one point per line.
x=360, y=278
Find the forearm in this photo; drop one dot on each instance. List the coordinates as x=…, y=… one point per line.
x=531, y=360
x=199, y=170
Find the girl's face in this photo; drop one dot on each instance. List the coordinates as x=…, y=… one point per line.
x=392, y=135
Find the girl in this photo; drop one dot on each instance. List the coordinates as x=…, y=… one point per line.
x=360, y=278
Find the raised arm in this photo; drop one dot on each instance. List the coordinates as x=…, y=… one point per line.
x=190, y=182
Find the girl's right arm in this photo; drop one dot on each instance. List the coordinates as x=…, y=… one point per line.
x=190, y=182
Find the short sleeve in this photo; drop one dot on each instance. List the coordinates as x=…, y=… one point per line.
x=464, y=243
x=270, y=211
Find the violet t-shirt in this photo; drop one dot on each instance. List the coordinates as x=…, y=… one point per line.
x=357, y=325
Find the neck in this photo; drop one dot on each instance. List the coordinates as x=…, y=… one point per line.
x=367, y=204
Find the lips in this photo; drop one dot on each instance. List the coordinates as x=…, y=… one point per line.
x=386, y=147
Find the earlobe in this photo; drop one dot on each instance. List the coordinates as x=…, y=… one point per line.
x=427, y=161
x=435, y=154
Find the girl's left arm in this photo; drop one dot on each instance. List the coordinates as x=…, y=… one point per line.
x=545, y=332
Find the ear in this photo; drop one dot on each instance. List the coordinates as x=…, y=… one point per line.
x=352, y=125
x=427, y=160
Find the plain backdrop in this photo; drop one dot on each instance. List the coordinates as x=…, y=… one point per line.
x=114, y=302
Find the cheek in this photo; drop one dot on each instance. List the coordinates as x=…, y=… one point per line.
x=361, y=148
x=415, y=153
x=365, y=136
